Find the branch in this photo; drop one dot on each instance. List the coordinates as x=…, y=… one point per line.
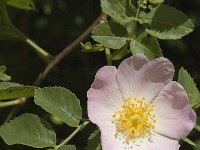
x=58, y=58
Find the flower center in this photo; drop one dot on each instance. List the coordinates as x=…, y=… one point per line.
x=135, y=120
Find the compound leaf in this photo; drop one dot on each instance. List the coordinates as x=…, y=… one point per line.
x=166, y=22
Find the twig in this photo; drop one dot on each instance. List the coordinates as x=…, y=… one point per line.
x=79, y=128
x=58, y=58
x=11, y=103
x=44, y=55
x=15, y=109
x=67, y=50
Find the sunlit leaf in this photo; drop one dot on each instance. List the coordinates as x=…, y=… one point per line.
x=9, y=90
x=94, y=141
x=28, y=129
x=22, y=4
x=122, y=10
x=189, y=85
x=61, y=103
x=166, y=22
x=110, y=34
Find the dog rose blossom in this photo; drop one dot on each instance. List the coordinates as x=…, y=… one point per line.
x=139, y=107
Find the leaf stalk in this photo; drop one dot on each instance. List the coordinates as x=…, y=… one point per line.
x=108, y=56
x=11, y=103
x=79, y=128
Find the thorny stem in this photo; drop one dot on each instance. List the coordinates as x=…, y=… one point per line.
x=59, y=57
x=79, y=128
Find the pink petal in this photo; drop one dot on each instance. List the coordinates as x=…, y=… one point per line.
x=142, y=78
x=128, y=74
x=160, y=142
x=104, y=96
x=108, y=139
x=110, y=142
x=174, y=117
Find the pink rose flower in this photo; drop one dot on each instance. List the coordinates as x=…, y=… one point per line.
x=139, y=107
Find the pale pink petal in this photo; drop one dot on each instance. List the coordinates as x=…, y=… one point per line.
x=128, y=74
x=142, y=78
x=110, y=142
x=104, y=96
x=159, y=142
x=174, y=117
x=108, y=139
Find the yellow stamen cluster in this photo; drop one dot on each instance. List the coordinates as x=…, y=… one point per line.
x=135, y=120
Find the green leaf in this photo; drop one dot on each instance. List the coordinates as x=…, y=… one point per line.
x=94, y=141
x=120, y=10
x=2, y=7
x=189, y=85
x=189, y=141
x=148, y=46
x=22, y=4
x=4, y=18
x=3, y=75
x=7, y=32
x=28, y=129
x=156, y=1
x=120, y=53
x=66, y=147
x=166, y=22
x=10, y=90
x=110, y=34
x=56, y=120
x=61, y=103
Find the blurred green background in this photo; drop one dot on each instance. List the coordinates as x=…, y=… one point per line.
x=54, y=25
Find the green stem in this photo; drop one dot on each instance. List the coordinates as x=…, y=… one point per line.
x=134, y=26
x=108, y=56
x=138, y=12
x=11, y=103
x=41, y=52
x=79, y=128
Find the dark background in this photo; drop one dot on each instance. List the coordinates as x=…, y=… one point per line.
x=54, y=25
